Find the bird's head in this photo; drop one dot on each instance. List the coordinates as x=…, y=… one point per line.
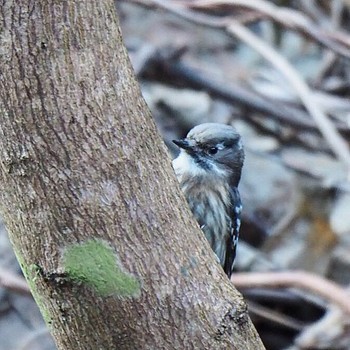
x=211, y=149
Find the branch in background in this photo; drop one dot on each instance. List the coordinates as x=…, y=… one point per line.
x=320, y=286
x=338, y=145
x=328, y=130
x=232, y=93
x=289, y=18
x=13, y=282
x=330, y=332
x=275, y=316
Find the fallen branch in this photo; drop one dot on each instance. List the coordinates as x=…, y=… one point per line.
x=324, y=288
x=338, y=145
x=287, y=17
x=13, y=282
x=173, y=70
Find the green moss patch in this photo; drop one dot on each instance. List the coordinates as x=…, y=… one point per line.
x=95, y=263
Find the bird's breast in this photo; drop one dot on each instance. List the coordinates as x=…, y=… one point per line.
x=209, y=202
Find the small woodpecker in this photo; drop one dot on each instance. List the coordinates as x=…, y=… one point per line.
x=209, y=168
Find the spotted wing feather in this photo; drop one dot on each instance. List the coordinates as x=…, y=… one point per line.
x=235, y=223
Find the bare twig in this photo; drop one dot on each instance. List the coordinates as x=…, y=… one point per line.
x=310, y=7
x=234, y=93
x=298, y=279
x=329, y=132
x=36, y=339
x=274, y=316
x=161, y=62
x=287, y=17
x=331, y=332
x=13, y=282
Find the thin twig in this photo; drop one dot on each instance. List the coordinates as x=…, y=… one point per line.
x=334, y=139
x=13, y=282
x=330, y=332
x=309, y=7
x=234, y=93
x=298, y=279
x=275, y=316
x=287, y=17
x=329, y=132
x=36, y=337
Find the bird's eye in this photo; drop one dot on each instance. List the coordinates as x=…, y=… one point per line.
x=213, y=150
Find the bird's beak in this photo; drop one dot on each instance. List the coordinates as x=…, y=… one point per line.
x=184, y=144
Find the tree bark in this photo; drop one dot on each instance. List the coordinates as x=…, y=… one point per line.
x=111, y=252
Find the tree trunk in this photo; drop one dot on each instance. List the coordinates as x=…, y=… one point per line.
x=110, y=250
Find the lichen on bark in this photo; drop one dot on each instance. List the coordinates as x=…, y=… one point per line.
x=94, y=263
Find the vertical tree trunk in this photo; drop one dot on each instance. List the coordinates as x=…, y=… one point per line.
x=112, y=254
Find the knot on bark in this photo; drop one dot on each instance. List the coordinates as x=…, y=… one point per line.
x=235, y=317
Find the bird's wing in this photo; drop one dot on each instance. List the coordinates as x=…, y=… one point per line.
x=235, y=223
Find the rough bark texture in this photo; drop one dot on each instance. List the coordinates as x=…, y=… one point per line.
x=112, y=255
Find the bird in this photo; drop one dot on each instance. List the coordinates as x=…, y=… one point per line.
x=209, y=168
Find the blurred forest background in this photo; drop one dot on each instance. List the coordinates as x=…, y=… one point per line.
x=278, y=71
